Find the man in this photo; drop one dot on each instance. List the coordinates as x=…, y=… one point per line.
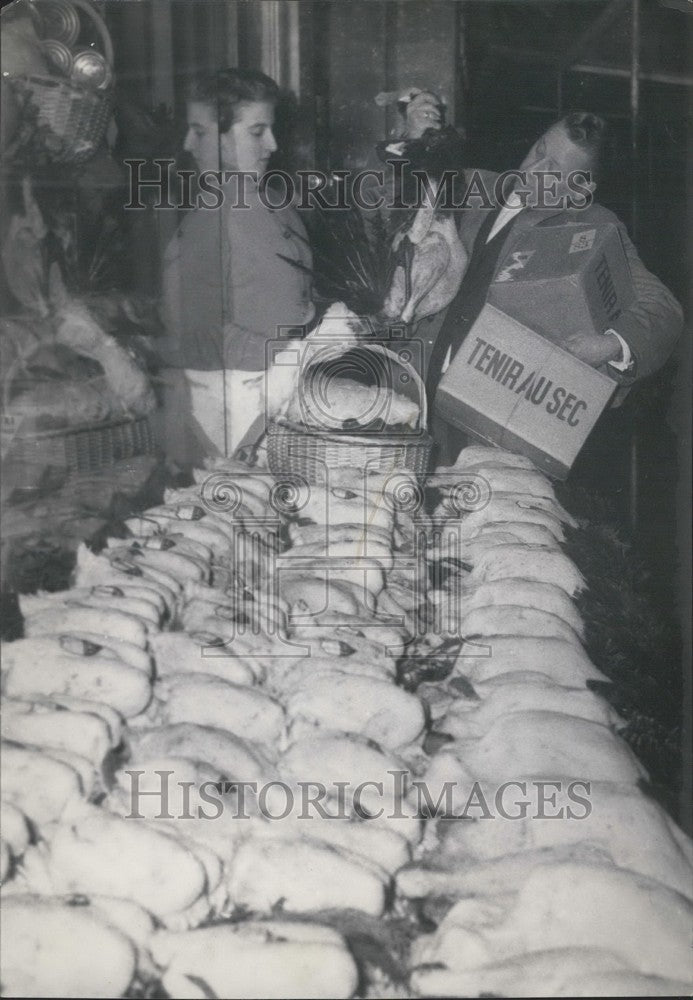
x=643, y=336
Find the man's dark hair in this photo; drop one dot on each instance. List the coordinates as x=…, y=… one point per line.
x=226, y=89
x=587, y=131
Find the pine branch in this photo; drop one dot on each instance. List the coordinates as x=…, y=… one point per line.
x=351, y=259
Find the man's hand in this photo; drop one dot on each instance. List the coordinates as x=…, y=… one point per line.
x=423, y=111
x=593, y=348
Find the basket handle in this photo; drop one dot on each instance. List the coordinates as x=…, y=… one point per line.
x=100, y=26
x=407, y=365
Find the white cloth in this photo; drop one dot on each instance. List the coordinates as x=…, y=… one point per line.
x=626, y=359
x=225, y=404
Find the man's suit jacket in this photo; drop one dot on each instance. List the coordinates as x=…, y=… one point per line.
x=650, y=326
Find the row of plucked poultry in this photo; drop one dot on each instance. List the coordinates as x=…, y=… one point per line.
x=80, y=685
x=200, y=647
x=584, y=893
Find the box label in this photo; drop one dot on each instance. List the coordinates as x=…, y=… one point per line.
x=517, y=378
x=517, y=260
x=582, y=241
x=514, y=388
x=607, y=291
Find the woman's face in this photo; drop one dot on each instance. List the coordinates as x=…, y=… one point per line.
x=247, y=145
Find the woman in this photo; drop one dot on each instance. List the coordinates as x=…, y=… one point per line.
x=227, y=290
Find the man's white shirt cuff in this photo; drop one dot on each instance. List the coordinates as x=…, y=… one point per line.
x=626, y=360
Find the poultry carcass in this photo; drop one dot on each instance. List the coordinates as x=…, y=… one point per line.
x=640, y=922
x=613, y=818
x=77, y=329
x=22, y=254
x=337, y=332
x=85, y=856
x=256, y=959
x=540, y=745
x=50, y=944
x=433, y=266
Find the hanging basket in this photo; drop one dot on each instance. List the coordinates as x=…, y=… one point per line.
x=64, y=121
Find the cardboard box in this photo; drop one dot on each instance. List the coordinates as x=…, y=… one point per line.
x=509, y=386
x=565, y=279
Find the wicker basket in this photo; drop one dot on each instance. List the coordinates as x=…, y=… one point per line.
x=69, y=122
x=294, y=449
x=62, y=120
x=74, y=450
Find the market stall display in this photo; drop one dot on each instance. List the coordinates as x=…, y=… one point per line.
x=78, y=437
x=74, y=399
x=218, y=645
x=337, y=727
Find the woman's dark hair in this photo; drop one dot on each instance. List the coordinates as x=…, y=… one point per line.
x=228, y=88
